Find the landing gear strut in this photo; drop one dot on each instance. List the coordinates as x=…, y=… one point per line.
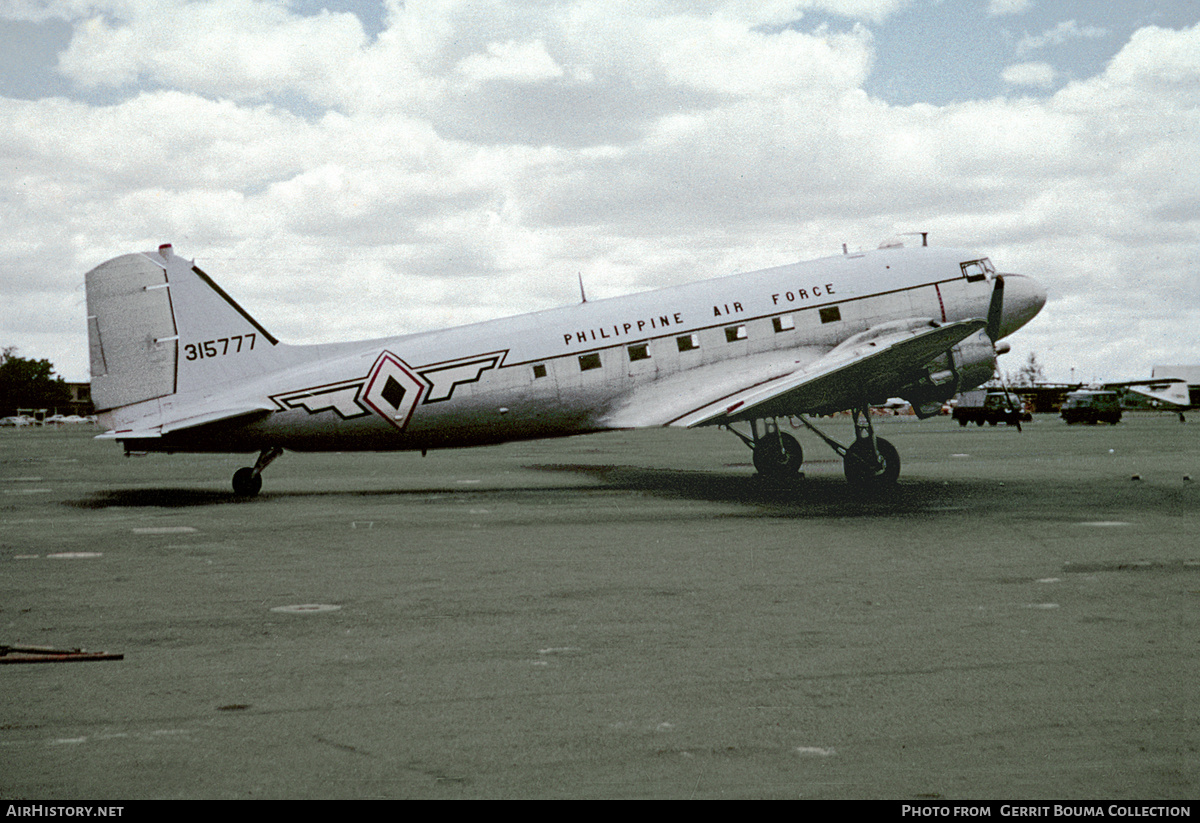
x=777, y=455
x=247, y=481
x=870, y=463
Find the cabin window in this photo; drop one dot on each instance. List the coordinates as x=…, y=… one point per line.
x=639, y=351
x=689, y=342
x=735, y=333
x=975, y=270
x=831, y=315
x=587, y=362
x=783, y=323
x=539, y=370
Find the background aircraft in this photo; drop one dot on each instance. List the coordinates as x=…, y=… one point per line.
x=178, y=366
x=1167, y=393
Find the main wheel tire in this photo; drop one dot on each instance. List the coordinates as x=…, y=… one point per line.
x=778, y=456
x=246, y=483
x=862, y=470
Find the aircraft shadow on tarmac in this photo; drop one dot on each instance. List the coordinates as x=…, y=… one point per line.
x=829, y=495
x=802, y=496
x=166, y=498
x=820, y=496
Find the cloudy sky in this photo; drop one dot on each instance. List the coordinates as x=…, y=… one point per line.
x=350, y=169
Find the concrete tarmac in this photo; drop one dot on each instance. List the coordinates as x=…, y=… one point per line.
x=629, y=615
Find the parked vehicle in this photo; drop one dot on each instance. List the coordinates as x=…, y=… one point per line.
x=64, y=419
x=1092, y=407
x=991, y=407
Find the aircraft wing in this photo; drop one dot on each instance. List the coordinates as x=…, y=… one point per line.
x=875, y=363
x=1166, y=390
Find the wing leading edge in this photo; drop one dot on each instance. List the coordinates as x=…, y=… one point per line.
x=875, y=363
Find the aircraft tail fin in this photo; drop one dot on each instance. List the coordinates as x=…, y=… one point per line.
x=158, y=326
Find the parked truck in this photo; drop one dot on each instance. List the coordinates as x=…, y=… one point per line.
x=1092, y=407
x=991, y=407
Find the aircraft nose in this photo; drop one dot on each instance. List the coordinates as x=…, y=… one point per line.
x=1023, y=299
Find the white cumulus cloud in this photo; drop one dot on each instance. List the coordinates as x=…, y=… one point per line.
x=470, y=159
x=1040, y=75
x=997, y=8
x=1063, y=32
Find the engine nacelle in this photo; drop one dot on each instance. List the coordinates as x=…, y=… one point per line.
x=969, y=364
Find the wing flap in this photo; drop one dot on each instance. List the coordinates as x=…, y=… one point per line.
x=659, y=402
x=874, y=363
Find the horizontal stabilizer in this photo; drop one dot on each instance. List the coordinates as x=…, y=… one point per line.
x=241, y=416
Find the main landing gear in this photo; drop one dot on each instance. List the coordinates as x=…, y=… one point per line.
x=247, y=481
x=870, y=463
x=777, y=455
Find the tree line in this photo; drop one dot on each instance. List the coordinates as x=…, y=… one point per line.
x=30, y=384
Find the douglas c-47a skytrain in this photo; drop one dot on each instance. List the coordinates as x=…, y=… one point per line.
x=178, y=366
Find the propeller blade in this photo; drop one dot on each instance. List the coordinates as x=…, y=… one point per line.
x=1008, y=398
x=1016, y=414
x=994, y=319
x=996, y=310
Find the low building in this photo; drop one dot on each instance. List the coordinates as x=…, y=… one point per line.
x=81, y=399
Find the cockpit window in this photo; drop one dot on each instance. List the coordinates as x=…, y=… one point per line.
x=978, y=270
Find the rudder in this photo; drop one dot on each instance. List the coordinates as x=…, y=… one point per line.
x=132, y=339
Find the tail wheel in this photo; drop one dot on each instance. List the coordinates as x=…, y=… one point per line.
x=865, y=470
x=246, y=483
x=778, y=456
